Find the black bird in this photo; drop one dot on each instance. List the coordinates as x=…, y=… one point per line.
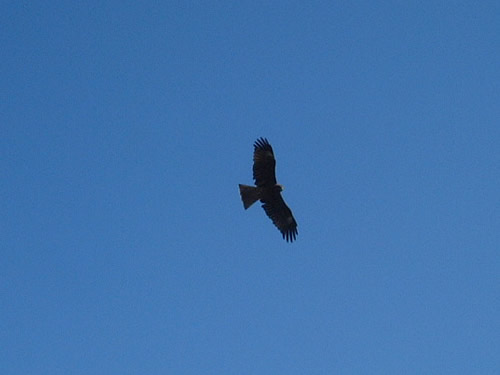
x=268, y=191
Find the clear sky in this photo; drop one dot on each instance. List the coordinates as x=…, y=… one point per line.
x=126, y=127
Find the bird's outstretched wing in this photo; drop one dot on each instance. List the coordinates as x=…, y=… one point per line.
x=281, y=215
x=264, y=164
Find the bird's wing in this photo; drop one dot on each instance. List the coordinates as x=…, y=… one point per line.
x=282, y=216
x=264, y=164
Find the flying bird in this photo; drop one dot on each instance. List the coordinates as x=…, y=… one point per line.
x=268, y=191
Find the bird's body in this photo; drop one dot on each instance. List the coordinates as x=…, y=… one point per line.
x=268, y=191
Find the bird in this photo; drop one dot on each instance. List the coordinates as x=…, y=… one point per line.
x=268, y=191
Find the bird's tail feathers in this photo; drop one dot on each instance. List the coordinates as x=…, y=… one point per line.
x=249, y=195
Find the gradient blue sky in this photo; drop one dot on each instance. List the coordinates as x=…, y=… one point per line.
x=127, y=126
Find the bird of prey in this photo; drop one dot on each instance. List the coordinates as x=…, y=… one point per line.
x=268, y=191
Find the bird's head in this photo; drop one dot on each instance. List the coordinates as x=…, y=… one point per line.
x=279, y=187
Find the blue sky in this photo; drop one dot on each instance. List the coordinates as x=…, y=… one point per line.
x=127, y=126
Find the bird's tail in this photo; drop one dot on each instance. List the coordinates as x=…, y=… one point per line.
x=249, y=195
